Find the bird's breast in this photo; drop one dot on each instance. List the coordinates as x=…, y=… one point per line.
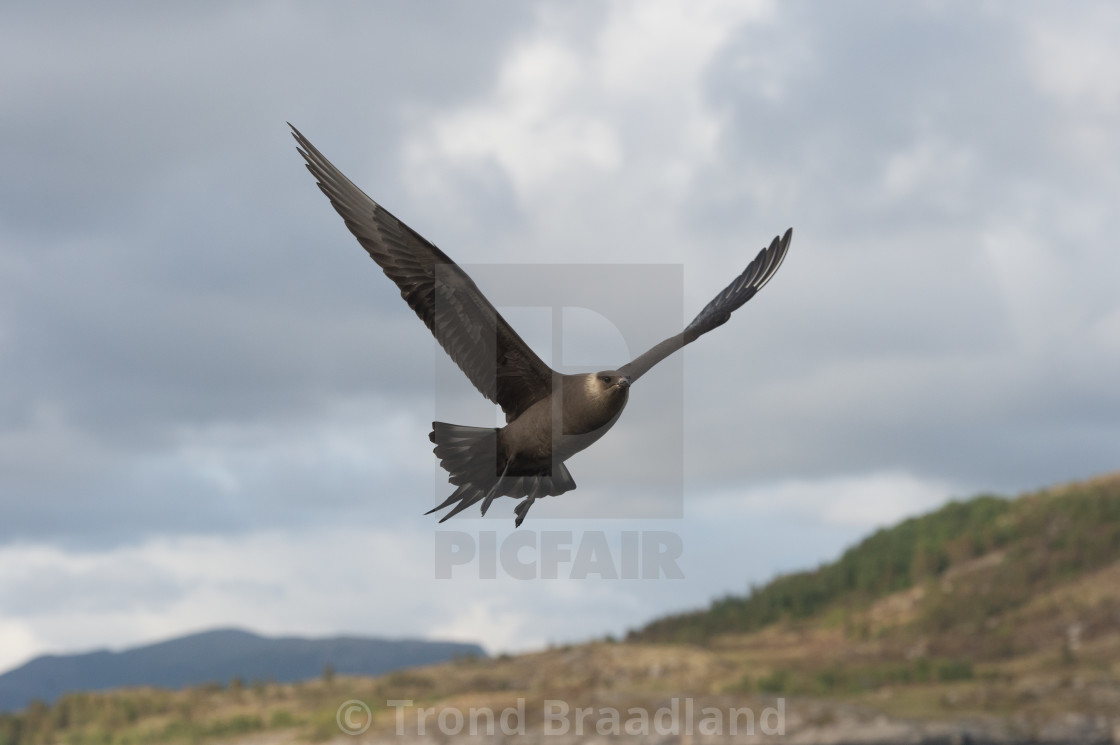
x=560, y=426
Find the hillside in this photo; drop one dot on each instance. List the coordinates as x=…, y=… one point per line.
x=218, y=655
x=988, y=621
x=965, y=573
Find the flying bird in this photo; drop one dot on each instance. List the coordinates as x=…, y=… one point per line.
x=550, y=416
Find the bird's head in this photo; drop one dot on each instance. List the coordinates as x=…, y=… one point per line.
x=593, y=401
x=609, y=382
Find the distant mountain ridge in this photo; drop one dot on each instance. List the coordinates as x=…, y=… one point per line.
x=219, y=655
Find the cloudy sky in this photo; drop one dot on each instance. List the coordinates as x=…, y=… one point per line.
x=214, y=408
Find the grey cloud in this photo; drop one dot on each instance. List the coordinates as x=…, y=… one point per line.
x=167, y=262
x=108, y=103
x=834, y=93
x=893, y=340
x=169, y=271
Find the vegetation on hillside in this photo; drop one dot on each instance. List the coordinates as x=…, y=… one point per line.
x=991, y=604
x=1040, y=538
x=208, y=712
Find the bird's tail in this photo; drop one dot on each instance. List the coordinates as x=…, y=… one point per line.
x=470, y=457
x=468, y=454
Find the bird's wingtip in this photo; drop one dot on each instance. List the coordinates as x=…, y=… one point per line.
x=296, y=133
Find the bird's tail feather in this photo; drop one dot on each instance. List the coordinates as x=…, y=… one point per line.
x=467, y=453
x=470, y=456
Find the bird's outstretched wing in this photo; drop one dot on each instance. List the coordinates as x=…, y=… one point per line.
x=484, y=346
x=717, y=312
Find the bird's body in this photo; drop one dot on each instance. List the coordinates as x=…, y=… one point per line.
x=549, y=416
x=525, y=458
x=561, y=425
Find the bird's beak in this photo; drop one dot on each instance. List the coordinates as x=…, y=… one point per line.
x=624, y=383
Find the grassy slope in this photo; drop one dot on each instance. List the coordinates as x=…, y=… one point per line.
x=989, y=606
x=1031, y=544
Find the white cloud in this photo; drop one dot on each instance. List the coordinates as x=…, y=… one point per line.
x=316, y=581
x=867, y=501
x=1072, y=56
x=651, y=48
x=17, y=642
x=481, y=620
x=935, y=170
x=527, y=127
x=628, y=107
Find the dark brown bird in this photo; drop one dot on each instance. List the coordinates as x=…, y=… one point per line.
x=549, y=416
